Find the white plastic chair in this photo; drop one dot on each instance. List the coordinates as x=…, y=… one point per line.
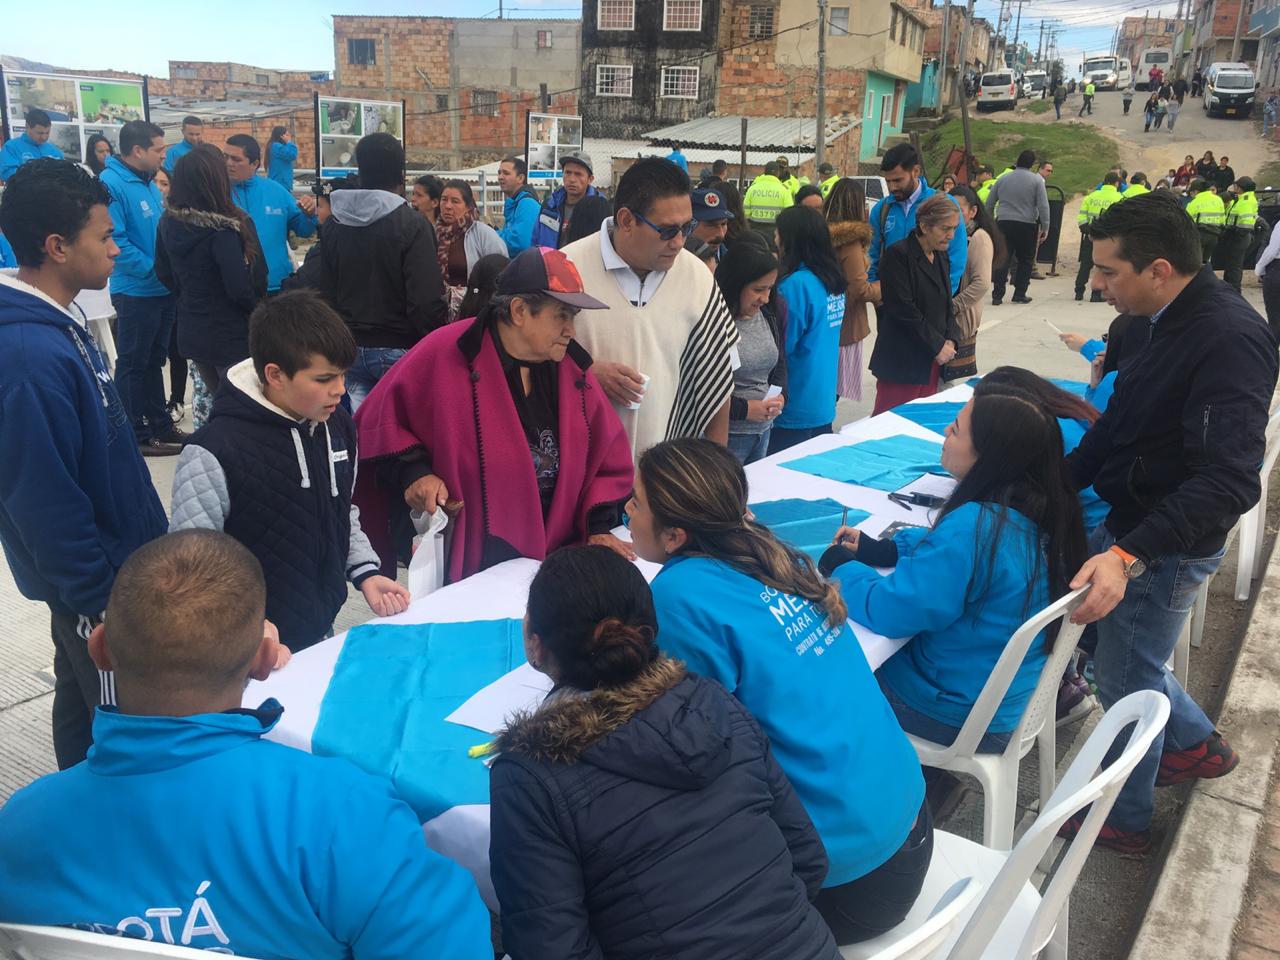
x=63, y=943
x=1014, y=921
x=1253, y=524
x=924, y=941
x=998, y=772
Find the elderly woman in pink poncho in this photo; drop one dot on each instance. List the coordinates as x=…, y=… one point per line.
x=500, y=418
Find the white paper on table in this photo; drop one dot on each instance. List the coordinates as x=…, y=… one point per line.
x=932, y=484
x=489, y=709
x=774, y=391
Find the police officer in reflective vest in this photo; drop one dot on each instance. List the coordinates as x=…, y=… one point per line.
x=765, y=199
x=1241, y=215
x=829, y=178
x=1207, y=210
x=1090, y=209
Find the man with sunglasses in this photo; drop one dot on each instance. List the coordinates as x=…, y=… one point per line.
x=666, y=347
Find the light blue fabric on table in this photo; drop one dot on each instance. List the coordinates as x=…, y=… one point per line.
x=808, y=525
x=888, y=463
x=390, y=692
x=932, y=416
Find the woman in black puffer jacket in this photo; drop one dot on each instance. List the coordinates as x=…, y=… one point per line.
x=208, y=254
x=639, y=812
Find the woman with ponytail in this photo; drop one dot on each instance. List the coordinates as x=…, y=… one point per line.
x=739, y=606
x=639, y=812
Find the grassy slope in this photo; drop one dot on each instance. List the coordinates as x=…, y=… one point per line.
x=1079, y=153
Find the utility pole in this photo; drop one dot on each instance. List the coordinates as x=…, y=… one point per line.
x=820, y=137
x=1176, y=53
x=962, y=55
x=1017, y=29
x=964, y=103
x=1235, y=44
x=942, y=59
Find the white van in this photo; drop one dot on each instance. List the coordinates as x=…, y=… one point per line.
x=1229, y=89
x=1161, y=57
x=1034, y=82
x=996, y=90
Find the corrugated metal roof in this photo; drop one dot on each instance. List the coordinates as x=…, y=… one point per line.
x=169, y=111
x=763, y=133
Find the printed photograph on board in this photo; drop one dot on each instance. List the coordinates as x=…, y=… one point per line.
x=340, y=117
x=66, y=137
x=542, y=130
x=102, y=102
x=56, y=96
x=542, y=157
x=110, y=131
x=338, y=151
x=570, y=132
x=383, y=118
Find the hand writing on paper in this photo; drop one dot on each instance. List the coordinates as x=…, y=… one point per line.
x=385, y=597
x=427, y=493
x=1106, y=572
x=620, y=547
x=847, y=537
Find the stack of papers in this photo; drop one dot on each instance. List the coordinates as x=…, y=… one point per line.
x=888, y=464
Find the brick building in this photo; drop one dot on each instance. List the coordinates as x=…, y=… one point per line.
x=976, y=57
x=1214, y=29
x=466, y=83
x=225, y=117
x=206, y=80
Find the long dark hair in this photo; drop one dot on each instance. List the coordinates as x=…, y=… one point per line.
x=593, y=611
x=700, y=487
x=481, y=284
x=983, y=221
x=277, y=136
x=806, y=242
x=1053, y=398
x=846, y=201
x=200, y=182
x=91, y=152
x=741, y=266
x=1020, y=467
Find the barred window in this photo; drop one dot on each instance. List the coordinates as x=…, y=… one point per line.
x=760, y=22
x=616, y=15
x=361, y=52
x=613, y=80
x=544, y=39
x=680, y=83
x=682, y=15
x=484, y=103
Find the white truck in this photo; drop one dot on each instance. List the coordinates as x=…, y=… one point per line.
x=1107, y=72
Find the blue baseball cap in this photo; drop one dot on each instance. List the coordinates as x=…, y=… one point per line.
x=708, y=204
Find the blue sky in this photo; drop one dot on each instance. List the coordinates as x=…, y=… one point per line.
x=297, y=34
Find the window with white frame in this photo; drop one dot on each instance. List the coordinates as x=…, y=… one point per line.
x=682, y=15
x=613, y=80
x=871, y=106
x=760, y=22
x=839, y=21
x=544, y=39
x=616, y=15
x=680, y=83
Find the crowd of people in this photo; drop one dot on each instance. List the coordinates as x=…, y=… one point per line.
x=541, y=384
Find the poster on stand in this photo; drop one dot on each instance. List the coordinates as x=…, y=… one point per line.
x=341, y=123
x=78, y=106
x=549, y=138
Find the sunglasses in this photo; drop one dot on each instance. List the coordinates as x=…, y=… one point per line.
x=667, y=233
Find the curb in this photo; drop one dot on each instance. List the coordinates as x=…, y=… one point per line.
x=1209, y=861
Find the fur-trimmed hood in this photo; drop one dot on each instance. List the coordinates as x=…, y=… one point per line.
x=203, y=218
x=666, y=727
x=845, y=232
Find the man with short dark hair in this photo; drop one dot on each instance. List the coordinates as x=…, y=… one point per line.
x=275, y=211
x=378, y=265
x=144, y=306
x=577, y=176
x=894, y=216
x=520, y=208
x=1175, y=456
x=666, y=348
x=32, y=143
x=285, y=854
x=713, y=217
x=75, y=496
x=192, y=135
x=717, y=174
x=1024, y=221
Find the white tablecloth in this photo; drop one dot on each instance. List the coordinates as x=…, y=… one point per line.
x=462, y=833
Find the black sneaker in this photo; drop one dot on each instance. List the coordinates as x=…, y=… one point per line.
x=1079, y=294
x=156, y=447
x=1022, y=299
x=173, y=435
x=996, y=301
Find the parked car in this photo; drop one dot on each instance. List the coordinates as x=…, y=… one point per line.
x=1230, y=89
x=997, y=90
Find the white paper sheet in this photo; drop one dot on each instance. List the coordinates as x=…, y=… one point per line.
x=932, y=484
x=489, y=708
x=773, y=391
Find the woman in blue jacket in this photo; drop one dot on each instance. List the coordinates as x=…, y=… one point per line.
x=1003, y=547
x=813, y=287
x=639, y=812
x=282, y=153
x=741, y=607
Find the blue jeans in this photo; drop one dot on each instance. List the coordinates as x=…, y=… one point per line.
x=1135, y=640
x=1268, y=121
x=922, y=725
x=749, y=447
x=143, y=328
x=783, y=438
x=372, y=364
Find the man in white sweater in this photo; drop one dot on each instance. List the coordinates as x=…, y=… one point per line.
x=666, y=348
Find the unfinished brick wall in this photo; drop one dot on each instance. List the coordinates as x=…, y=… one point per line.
x=302, y=123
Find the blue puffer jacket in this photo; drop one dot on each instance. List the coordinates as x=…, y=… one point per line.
x=75, y=496
x=650, y=820
x=547, y=231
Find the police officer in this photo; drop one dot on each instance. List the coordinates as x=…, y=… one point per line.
x=1241, y=215
x=828, y=178
x=1207, y=210
x=765, y=199
x=1090, y=209
x=789, y=179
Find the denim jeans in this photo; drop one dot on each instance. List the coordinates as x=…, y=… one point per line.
x=372, y=364
x=749, y=447
x=1135, y=641
x=143, y=328
x=783, y=438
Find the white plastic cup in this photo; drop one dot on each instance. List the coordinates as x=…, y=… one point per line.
x=644, y=386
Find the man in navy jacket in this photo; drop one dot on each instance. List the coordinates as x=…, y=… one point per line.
x=75, y=496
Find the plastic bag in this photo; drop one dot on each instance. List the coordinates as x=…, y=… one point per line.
x=426, y=568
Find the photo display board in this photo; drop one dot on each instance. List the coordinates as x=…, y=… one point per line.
x=550, y=137
x=78, y=107
x=341, y=122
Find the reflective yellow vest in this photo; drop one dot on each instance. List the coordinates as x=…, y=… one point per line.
x=1092, y=206
x=1243, y=212
x=792, y=184
x=1136, y=190
x=765, y=199
x=828, y=183
x=1207, y=210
